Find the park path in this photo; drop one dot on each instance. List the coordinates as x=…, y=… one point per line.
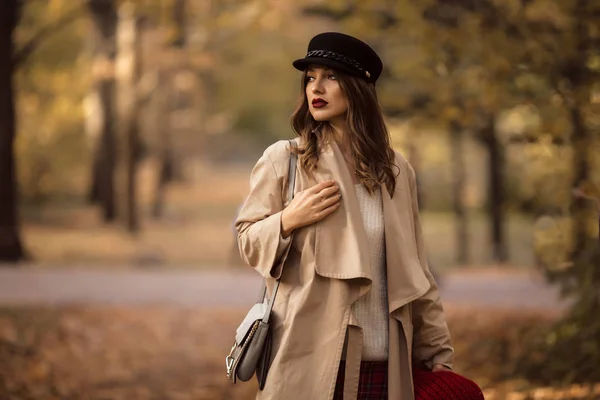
x=239, y=288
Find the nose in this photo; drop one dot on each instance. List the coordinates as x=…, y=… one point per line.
x=317, y=86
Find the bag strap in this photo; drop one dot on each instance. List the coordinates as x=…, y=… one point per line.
x=291, y=185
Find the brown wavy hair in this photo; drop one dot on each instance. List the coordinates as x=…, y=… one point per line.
x=365, y=127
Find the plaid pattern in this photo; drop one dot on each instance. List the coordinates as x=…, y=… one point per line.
x=372, y=384
x=442, y=385
x=446, y=385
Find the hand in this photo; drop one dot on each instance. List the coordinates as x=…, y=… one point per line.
x=439, y=367
x=310, y=206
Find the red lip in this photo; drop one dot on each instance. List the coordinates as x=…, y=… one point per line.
x=318, y=103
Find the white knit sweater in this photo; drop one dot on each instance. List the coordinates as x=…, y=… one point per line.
x=371, y=310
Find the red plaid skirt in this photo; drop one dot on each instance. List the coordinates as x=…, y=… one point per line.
x=443, y=385
x=372, y=384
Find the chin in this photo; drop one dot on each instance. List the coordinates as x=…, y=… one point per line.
x=319, y=118
x=322, y=116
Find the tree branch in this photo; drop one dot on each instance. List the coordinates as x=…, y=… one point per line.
x=21, y=55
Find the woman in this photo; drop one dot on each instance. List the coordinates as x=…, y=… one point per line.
x=357, y=301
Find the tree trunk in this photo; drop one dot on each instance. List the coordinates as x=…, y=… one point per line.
x=496, y=192
x=459, y=178
x=581, y=140
x=580, y=207
x=11, y=249
x=165, y=151
x=179, y=20
x=102, y=185
x=415, y=161
x=181, y=95
x=164, y=174
x=127, y=74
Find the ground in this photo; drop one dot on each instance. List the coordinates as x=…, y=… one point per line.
x=177, y=353
x=138, y=334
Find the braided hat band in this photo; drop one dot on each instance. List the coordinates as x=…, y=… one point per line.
x=339, y=57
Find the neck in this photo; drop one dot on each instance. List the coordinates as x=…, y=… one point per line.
x=338, y=133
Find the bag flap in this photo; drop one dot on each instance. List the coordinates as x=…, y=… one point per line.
x=256, y=312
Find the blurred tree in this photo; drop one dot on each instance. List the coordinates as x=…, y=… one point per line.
x=42, y=33
x=16, y=54
x=127, y=78
x=102, y=182
x=414, y=157
x=561, y=64
x=458, y=193
x=11, y=248
x=496, y=189
x=173, y=98
x=50, y=143
x=581, y=78
x=563, y=39
x=478, y=78
x=164, y=149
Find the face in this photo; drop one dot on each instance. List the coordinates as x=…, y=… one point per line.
x=326, y=101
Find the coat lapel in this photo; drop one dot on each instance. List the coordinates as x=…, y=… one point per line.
x=341, y=247
x=406, y=279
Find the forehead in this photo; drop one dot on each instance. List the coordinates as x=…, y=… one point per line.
x=318, y=68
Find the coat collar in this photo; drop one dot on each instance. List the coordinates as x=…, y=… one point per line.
x=341, y=236
x=341, y=247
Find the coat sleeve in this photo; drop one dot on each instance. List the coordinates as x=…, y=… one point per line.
x=259, y=221
x=431, y=337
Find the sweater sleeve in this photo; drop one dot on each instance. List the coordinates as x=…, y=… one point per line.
x=431, y=340
x=259, y=221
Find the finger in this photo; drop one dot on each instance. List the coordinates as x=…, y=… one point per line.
x=325, y=195
x=322, y=185
x=329, y=191
x=328, y=201
x=328, y=210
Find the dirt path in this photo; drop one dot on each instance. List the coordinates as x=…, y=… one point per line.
x=233, y=288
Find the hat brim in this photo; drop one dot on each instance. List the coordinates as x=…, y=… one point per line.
x=303, y=63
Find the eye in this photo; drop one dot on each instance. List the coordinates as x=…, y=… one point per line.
x=310, y=78
x=332, y=76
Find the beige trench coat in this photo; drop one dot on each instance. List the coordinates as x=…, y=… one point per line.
x=327, y=269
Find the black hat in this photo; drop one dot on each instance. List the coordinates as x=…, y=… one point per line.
x=342, y=52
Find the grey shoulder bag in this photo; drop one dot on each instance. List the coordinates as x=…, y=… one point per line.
x=251, y=351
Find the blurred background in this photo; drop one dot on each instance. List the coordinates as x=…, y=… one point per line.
x=128, y=130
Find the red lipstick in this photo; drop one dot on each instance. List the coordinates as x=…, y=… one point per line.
x=318, y=102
